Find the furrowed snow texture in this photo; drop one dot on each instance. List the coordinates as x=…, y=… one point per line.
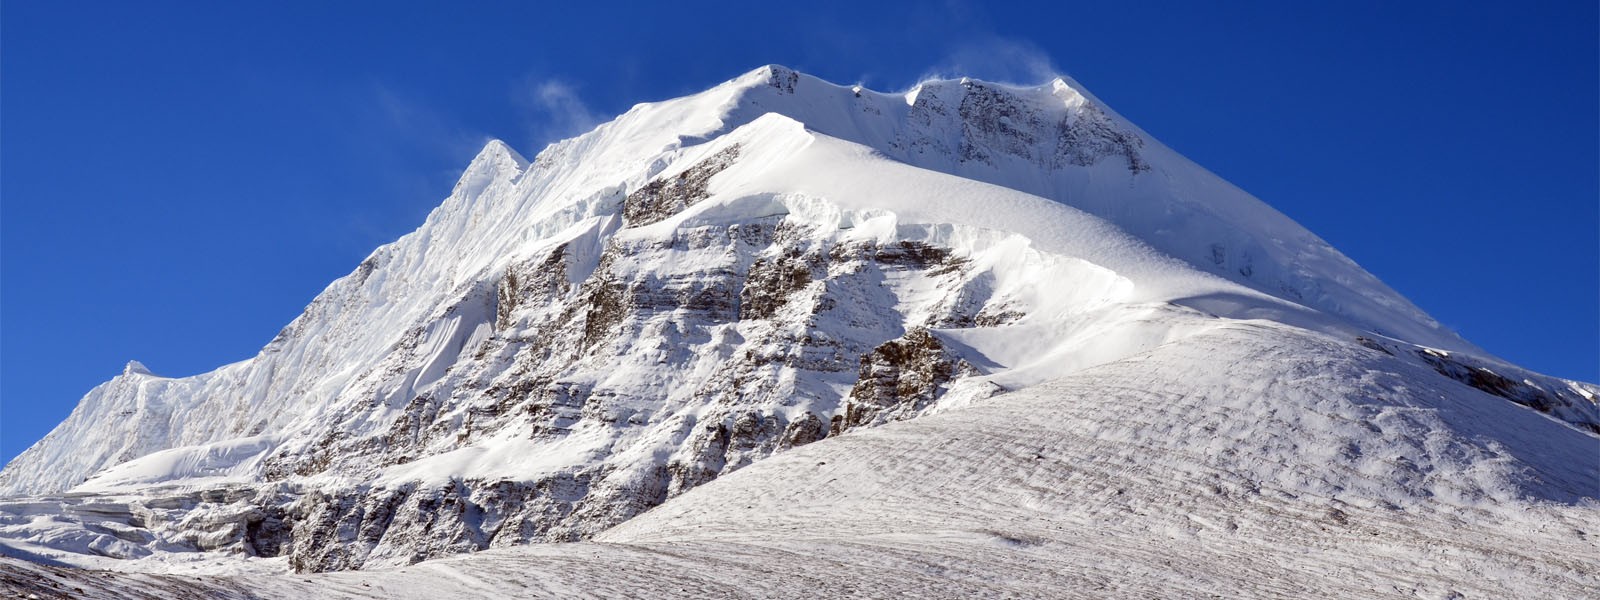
x=1091, y=337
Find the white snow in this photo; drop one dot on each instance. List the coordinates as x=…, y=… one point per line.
x=1199, y=468
x=206, y=465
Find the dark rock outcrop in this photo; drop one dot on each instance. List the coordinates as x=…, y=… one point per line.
x=668, y=196
x=1554, y=402
x=898, y=379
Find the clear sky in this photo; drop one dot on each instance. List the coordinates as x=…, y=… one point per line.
x=178, y=180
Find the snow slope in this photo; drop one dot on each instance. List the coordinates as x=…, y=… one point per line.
x=644, y=314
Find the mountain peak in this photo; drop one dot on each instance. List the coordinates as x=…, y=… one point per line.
x=500, y=155
x=708, y=281
x=135, y=367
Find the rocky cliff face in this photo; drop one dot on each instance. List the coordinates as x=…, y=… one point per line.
x=689, y=289
x=749, y=348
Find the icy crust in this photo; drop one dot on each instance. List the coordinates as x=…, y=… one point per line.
x=696, y=286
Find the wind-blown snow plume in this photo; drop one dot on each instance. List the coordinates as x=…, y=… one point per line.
x=558, y=111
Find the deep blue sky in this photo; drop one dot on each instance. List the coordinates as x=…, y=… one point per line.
x=177, y=181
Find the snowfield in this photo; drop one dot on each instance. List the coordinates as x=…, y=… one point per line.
x=787, y=338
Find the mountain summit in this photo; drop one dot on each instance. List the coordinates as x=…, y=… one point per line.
x=993, y=315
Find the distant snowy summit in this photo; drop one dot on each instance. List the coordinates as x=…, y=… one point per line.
x=703, y=283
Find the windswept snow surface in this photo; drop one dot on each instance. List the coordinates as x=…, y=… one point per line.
x=1114, y=373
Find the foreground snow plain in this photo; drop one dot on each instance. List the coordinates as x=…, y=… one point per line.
x=1146, y=383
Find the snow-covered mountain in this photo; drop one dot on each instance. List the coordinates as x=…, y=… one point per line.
x=706, y=282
